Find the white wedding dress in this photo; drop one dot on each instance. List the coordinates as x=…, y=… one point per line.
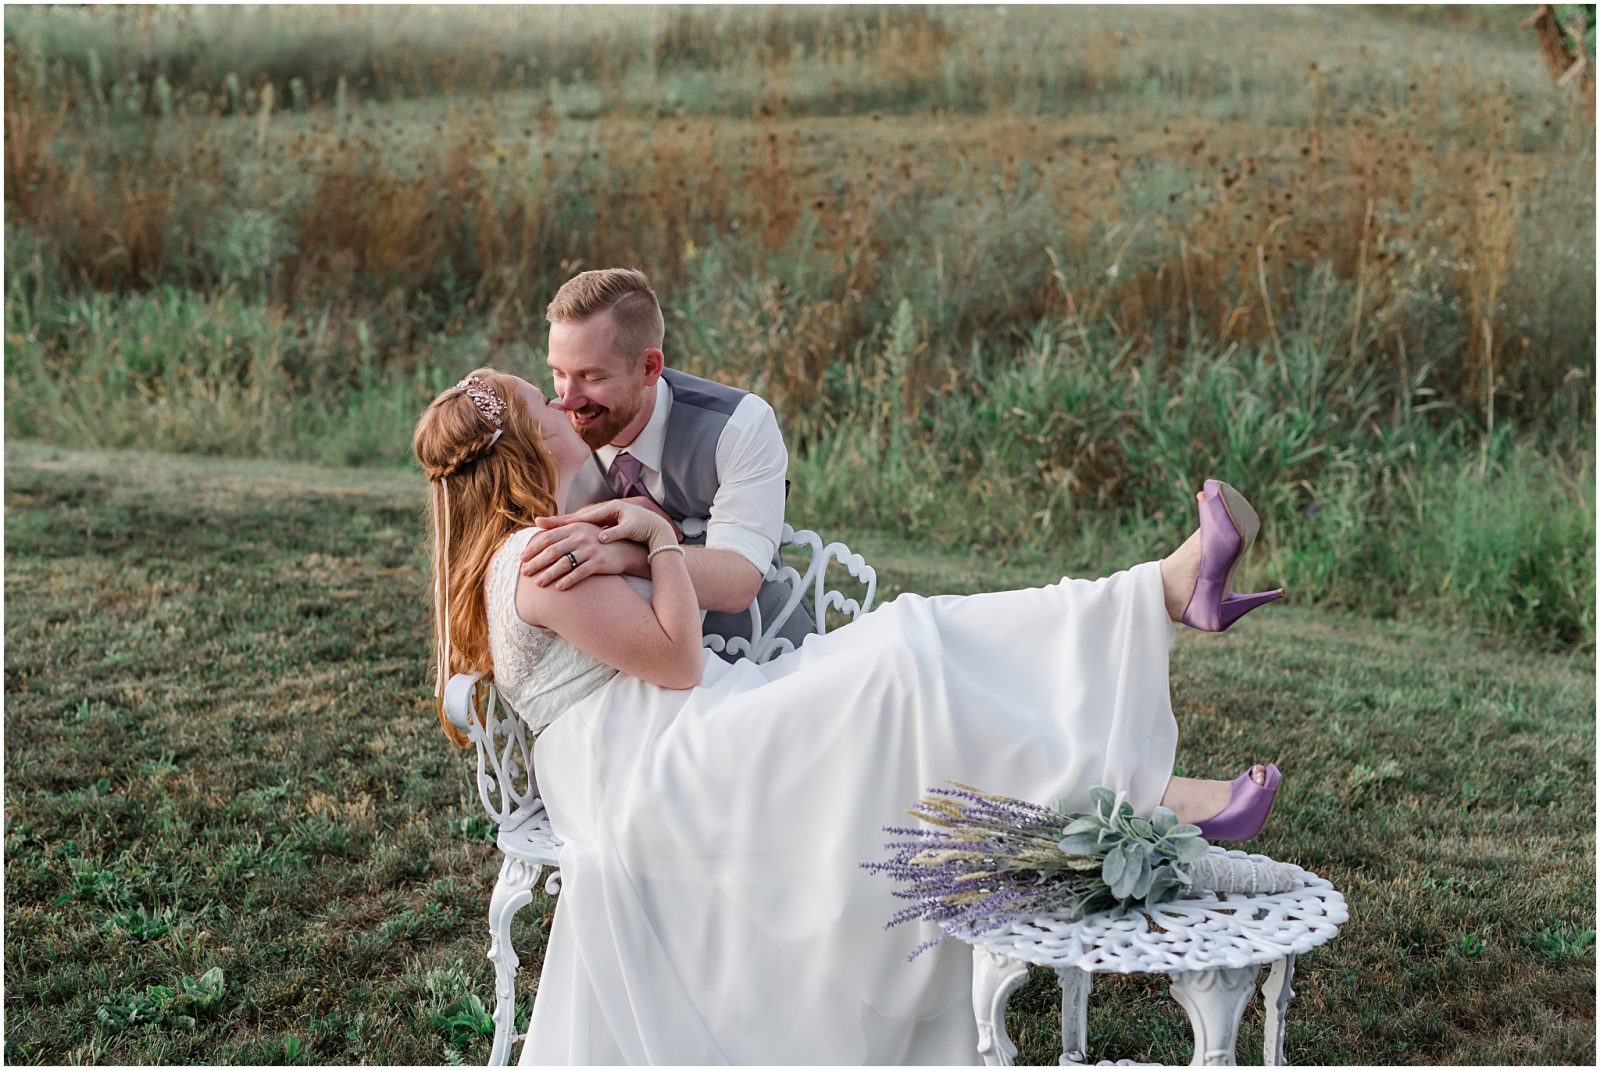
x=713, y=908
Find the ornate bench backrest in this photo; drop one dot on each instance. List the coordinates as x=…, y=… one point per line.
x=505, y=780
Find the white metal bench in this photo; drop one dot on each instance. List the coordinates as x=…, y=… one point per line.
x=505, y=777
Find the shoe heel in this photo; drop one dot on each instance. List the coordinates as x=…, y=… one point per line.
x=1228, y=527
x=1237, y=605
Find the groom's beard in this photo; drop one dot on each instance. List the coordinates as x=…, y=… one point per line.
x=606, y=424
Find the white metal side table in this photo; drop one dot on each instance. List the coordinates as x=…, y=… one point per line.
x=1212, y=946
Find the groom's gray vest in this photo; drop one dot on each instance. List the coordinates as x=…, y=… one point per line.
x=700, y=411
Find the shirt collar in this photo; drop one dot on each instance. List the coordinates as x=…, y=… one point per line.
x=651, y=443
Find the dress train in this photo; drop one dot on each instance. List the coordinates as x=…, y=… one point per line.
x=713, y=909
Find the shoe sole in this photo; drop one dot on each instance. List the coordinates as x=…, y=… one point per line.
x=1245, y=522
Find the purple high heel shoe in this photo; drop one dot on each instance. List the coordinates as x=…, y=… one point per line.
x=1247, y=809
x=1227, y=528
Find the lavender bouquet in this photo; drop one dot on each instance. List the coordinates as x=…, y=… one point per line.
x=990, y=860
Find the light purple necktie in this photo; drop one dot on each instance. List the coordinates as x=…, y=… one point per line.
x=632, y=477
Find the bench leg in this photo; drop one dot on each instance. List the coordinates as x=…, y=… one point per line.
x=1276, y=993
x=1075, y=986
x=512, y=892
x=994, y=978
x=1215, y=1000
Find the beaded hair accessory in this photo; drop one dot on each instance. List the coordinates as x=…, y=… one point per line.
x=490, y=404
x=493, y=407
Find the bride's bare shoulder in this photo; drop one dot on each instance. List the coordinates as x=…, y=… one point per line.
x=558, y=610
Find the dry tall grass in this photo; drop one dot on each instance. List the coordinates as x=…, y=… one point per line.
x=998, y=175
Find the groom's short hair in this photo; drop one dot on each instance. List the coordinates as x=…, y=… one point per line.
x=626, y=293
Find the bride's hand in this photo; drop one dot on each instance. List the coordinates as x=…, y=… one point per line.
x=620, y=519
x=565, y=555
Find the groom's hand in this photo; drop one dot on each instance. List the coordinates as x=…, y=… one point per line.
x=545, y=557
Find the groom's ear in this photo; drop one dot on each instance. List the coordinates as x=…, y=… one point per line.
x=654, y=360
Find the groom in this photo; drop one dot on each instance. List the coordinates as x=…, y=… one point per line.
x=706, y=456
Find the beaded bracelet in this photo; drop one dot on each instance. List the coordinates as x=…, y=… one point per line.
x=651, y=556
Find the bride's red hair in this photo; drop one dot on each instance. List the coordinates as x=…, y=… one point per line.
x=487, y=488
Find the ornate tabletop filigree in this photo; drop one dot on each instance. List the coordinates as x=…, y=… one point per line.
x=1204, y=931
x=1211, y=943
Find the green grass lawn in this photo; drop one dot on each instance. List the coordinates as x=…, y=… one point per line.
x=234, y=832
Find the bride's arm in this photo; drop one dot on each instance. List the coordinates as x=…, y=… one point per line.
x=656, y=640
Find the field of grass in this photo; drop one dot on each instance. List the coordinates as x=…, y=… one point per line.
x=234, y=832
x=1014, y=279
x=1009, y=277
x=1171, y=178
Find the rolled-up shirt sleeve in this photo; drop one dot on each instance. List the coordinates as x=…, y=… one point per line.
x=747, y=512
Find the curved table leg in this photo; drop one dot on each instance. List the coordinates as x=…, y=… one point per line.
x=1276, y=993
x=512, y=892
x=1215, y=1001
x=994, y=978
x=1075, y=986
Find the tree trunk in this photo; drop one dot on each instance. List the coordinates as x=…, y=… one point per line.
x=1564, y=54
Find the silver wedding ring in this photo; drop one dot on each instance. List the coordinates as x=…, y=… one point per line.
x=573, y=559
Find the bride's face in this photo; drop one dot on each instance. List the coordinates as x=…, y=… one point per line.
x=567, y=450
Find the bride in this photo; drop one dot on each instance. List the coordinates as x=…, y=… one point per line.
x=715, y=815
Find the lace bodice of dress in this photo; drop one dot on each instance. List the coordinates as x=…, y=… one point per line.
x=535, y=670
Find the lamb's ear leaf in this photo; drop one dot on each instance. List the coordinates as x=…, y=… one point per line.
x=1130, y=873
x=1079, y=843
x=1164, y=886
x=1112, y=868
x=1082, y=823
x=1164, y=820
x=1189, y=849
x=1103, y=799
x=1141, y=886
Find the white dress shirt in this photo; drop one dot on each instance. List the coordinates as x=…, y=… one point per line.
x=747, y=512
